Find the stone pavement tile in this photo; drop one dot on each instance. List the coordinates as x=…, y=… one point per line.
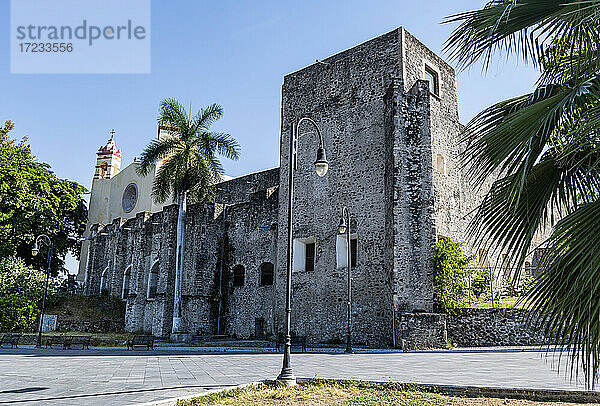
x=120, y=378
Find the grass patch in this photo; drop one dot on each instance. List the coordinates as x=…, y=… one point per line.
x=351, y=393
x=504, y=303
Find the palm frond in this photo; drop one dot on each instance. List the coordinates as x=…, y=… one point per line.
x=189, y=156
x=162, y=187
x=172, y=113
x=207, y=116
x=544, y=151
x=566, y=62
x=510, y=136
x=155, y=151
x=554, y=186
x=224, y=145
x=567, y=298
x=210, y=162
x=522, y=27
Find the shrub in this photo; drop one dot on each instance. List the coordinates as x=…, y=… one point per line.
x=520, y=288
x=18, y=278
x=526, y=284
x=480, y=282
x=17, y=313
x=509, y=287
x=450, y=273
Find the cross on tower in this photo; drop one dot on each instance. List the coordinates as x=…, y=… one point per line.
x=112, y=133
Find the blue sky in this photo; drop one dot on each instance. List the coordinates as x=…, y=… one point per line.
x=234, y=53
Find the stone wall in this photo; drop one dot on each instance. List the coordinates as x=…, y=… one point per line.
x=469, y=328
x=421, y=331
x=137, y=245
x=492, y=327
x=238, y=190
x=89, y=326
x=252, y=232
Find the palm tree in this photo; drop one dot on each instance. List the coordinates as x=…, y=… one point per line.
x=187, y=167
x=542, y=150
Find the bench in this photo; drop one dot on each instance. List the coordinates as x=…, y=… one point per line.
x=297, y=341
x=84, y=341
x=55, y=340
x=12, y=339
x=68, y=341
x=141, y=341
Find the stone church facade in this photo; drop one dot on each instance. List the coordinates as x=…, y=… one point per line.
x=388, y=113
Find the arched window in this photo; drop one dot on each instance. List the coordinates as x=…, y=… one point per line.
x=440, y=164
x=153, y=280
x=126, y=282
x=103, y=170
x=266, y=274
x=104, y=282
x=239, y=275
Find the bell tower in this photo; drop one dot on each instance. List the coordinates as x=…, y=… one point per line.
x=108, y=163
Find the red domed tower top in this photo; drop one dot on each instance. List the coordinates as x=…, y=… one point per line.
x=108, y=163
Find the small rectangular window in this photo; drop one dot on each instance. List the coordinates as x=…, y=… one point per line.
x=266, y=274
x=259, y=327
x=303, y=254
x=309, y=264
x=341, y=250
x=432, y=77
x=239, y=275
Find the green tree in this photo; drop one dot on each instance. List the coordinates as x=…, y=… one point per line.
x=17, y=313
x=188, y=167
x=542, y=152
x=17, y=277
x=33, y=200
x=480, y=282
x=450, y=275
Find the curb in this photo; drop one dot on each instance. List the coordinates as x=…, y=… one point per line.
x=543, y=395
x=547, y=395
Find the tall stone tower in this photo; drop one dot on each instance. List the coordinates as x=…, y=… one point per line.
x=108, y=162
x=387, y=110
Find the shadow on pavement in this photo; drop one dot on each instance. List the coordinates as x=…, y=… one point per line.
x=24, y=390
x=93, y=395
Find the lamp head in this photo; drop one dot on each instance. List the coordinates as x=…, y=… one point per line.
x=321, y=164
x=35, y=249
x=343, y=226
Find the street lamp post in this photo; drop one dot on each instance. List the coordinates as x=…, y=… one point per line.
x=344, y=227
x=34, y=252
x=286, y=377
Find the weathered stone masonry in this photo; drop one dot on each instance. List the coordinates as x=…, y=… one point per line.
x=392, y=143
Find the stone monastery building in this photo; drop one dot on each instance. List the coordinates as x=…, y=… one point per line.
x=388, y=113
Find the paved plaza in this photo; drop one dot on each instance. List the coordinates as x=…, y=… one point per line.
x=118, y=377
